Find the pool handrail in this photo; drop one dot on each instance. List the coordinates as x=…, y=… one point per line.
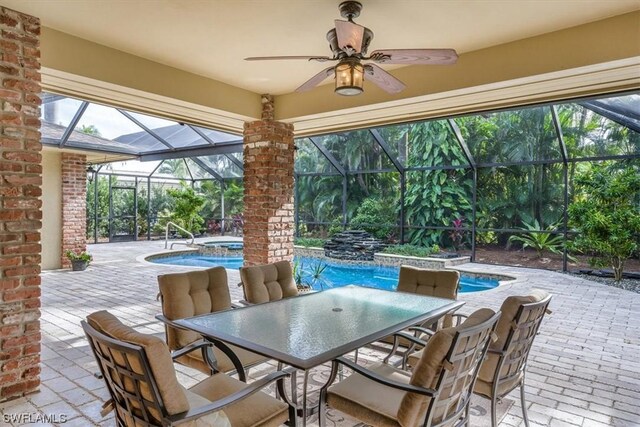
x=166, y=234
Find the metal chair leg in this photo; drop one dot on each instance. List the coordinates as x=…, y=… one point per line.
x=494, y=402
x=524, y=404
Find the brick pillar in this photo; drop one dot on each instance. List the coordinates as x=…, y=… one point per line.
x=268, y=189
x=74, y=204
x=20, y=213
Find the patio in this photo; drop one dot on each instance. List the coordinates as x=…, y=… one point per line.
x=583, y=370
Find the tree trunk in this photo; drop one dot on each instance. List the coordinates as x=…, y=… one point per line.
x=618, y=266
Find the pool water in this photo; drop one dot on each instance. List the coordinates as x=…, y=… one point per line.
x=334, y=275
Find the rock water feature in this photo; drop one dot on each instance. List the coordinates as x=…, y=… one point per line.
x=354, y=245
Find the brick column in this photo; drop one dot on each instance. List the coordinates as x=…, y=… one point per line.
x=74, y=204
x=20, y=213
x=268, y=189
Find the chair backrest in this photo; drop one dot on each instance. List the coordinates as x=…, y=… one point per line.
x=270, y=282
x=516, y=330
x=190, y=294
x=449, y=365
x=138, y=372
x=434, y=283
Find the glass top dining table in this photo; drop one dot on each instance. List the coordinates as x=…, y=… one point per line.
x=315, y=328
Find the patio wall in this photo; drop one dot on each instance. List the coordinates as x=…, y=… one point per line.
x=20, y=191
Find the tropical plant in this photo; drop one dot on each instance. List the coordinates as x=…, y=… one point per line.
x=187, y=207
x=376, y=215
x=457, y=234
x=539, y=239
x=316, y=275
x=605, y=214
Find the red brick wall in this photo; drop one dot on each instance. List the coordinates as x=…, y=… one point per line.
x=20, y=214
x=74, y=204
x=268, y=189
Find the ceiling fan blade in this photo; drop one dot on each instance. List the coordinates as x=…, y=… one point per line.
x=349, y=36
x=382, y=79
x=277, y=58
x=415, y=56
x=315, y=80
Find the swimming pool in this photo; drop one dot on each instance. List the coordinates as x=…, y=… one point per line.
x=335, y=274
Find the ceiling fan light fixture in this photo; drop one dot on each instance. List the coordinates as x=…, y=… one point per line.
x=349, y=77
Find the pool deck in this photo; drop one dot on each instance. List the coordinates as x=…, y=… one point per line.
x=584, y=368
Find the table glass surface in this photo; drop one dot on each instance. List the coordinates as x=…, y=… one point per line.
x=309, y=326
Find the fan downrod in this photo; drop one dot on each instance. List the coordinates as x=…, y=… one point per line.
x=350, y=9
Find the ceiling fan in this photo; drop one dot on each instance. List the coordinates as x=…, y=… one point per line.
x=349, y=43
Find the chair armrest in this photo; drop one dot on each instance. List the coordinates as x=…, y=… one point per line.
x=219, y=404
x=420, y=329
x=411, y=338
x=196, y=345
x=460, y=317
x=234, y=305
x=498, y=352
x=386, y=381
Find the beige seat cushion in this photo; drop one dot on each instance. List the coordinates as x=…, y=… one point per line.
x=257, y=410
x=381, y=405
x=157, y=353
x=509, y=311
x=271, y=282
x=367, y=400
x=427, y=369
x=193, y=293
x=190, y=294
x=484, y=388
x=215, y=419
x=435, y=283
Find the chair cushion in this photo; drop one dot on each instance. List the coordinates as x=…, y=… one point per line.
x=271, y=282
x=427, y=369
x=190, y=294
x=214, y=419
x=484, y=388
x=257, y=410
x=247, y=358
x=157, y=353
x=367, y=400
x=509, y=311
x=435, y=283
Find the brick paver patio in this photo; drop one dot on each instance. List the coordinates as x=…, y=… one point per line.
x=584, y=369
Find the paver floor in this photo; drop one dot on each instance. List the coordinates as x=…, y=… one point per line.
x=584, y=369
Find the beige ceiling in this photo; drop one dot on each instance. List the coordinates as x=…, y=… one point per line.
x=211, y=38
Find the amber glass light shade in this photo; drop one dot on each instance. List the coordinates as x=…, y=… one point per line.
x=349, y=78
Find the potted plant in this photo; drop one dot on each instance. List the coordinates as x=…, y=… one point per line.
x=79, y=259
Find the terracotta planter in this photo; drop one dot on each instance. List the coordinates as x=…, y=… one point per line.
x=79, y=265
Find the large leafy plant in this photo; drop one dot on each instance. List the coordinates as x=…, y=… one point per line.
x=539, y=239
x=186, y=211
x=606, y=216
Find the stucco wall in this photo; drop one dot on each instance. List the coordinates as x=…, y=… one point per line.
x=51, y=210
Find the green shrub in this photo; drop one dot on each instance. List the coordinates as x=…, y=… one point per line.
x=606, y=215
x=375, y=215
x=411, y=250
x=308, y=242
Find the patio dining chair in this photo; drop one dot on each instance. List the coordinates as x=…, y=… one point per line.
x=141, y=380
x=190, y=294
x=429, y=282
x=438, y=391
x=270, y=282
x=504, y=367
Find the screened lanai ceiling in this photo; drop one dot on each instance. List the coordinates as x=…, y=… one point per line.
x=492, y=139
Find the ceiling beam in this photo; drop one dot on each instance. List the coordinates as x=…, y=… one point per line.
x=219, y=148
